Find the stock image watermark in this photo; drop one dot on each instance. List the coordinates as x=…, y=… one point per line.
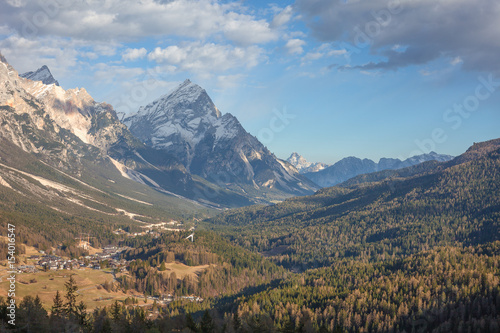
x=11, y=262
x=139, y=93
x=363, y=36
x=49, y=9
x=278, y=122
x=455, y=115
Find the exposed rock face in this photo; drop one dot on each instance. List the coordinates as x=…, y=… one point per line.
x=303, y=166
x=187, y=124
x=42, y=74
x=65, y=126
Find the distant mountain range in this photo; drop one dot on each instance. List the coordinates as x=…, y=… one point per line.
x=350, y=167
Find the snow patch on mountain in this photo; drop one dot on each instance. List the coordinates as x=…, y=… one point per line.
x=187, y=124
x=303, y=165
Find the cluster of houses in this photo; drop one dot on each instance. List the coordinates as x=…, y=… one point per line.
x=109, y=256
x=26, y=269
x=165, y=299
x=53, y=262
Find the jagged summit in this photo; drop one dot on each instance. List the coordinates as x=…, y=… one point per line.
x=2, y=58
x=187, y=124
x=188, y=96
x=303, y=165
x=42, y=74
x=181, y=116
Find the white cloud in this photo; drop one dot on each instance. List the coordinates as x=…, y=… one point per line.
x=294, y=46
x=134, y=54
x=207, y=58
x=455, y=61
x=311, y=56
x=110, y=73
x=282, y=17
x=5, y=30
x=125, y=20
x=244, y=29
x=229, y=81
x=28, y=55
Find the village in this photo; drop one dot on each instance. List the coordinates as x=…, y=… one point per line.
x=108, y=259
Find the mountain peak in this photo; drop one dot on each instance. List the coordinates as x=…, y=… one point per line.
x=187, y=124
x=42, y=74
x=303, y=165
x=187, y=98
x=2, y=59
x=188, y=91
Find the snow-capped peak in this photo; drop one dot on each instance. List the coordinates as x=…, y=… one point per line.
x=302, y=165
x=186, y=114
x=42, y=74
x=188, y=96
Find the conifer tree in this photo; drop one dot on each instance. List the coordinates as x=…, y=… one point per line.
x=58, y=307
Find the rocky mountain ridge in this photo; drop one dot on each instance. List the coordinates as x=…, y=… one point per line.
x=350, y=167
x=63, y=127
x=216, y=147
x=303, y=166
x=42, y=74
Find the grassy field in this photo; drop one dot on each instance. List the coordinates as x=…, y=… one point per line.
x=89, y=281
x=46, y=284
x=182, y=270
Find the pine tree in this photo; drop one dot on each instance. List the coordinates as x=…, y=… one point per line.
x=81, y=313
x=236, y=321
x=71, y=288
x=207, y=324
x=58, y=307
x=190, y=323
x=115, y=311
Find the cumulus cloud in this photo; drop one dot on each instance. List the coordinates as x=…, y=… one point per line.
x=58, y=54
x=427, y=29
x=283, y=17
x=134, y=54
x=294, y=46
x=323, y=51
x=244, y=29
x=207, y=58
x=86, y=30
x=124, y=20
x=111, y=73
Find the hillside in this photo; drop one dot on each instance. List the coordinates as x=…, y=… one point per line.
x=453, y=203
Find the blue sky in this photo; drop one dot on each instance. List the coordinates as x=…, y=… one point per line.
x=327, y=79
